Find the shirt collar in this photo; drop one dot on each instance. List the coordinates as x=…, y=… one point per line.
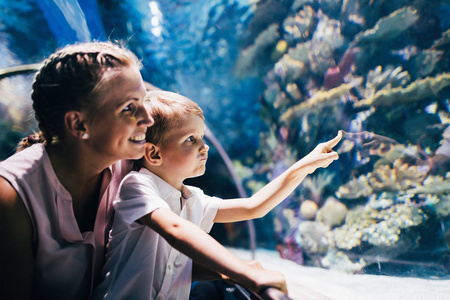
x=167, y=192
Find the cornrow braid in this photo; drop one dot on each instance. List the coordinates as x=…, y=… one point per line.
x=70, y=80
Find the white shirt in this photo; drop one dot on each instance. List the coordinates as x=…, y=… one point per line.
x=140, y=264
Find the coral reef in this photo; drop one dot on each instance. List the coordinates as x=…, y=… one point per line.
x=249, y=58
x=308, y=210
x=443, y=42
x=435, y=185
x=389, y=27
x=335, y=76
x=319, y=100
x=314, y=237
x=298, y=27
x=363, y=66
x=339, y=261
x=377, y=80
x=416, y=91
x=332, y=213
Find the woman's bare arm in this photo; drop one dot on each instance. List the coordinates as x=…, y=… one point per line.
x=16, y=254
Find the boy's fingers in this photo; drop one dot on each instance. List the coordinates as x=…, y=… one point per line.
x=335, y=141
x=331, y=156
x=272, y=293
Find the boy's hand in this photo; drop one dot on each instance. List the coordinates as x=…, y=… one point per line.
x=273, y=294
x=275, y=290
x=323, y=155
x=255, y=264
x=252, y=263
x=268, y=278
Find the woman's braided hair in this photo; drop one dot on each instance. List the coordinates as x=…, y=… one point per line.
x=71, y=79
x=29, y=140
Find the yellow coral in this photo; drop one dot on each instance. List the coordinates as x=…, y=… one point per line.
x=418, y=90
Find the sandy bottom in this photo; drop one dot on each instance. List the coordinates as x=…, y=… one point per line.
x=309, y=283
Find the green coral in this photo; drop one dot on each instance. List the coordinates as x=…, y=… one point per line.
x=389, y=27
x=433, y=185
x=377, y=227
x=339, y=261
x=416, y=91
x=443, y=42
x=443, y=206
x=318, y=100
x=314, y=237
x=356, y=188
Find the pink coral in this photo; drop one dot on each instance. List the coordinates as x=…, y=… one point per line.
x=334, y=76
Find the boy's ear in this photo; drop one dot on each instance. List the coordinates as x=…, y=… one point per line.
x=75, y=125
x=152, y=154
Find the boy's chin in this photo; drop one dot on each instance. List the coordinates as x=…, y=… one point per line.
x=198, y=173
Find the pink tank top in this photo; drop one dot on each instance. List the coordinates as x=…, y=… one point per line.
x=67, y=261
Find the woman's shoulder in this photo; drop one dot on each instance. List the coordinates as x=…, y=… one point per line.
x=24, y=161
x=13, y=214
x=8, y=194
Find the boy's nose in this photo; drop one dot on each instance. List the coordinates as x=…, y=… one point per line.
x=204, y=147
x=147, y=119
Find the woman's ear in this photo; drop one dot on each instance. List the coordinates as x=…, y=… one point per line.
x=74, y=122
x=152, y=154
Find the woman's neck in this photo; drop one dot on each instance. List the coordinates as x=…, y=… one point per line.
x=81, y=179
x=72, y=167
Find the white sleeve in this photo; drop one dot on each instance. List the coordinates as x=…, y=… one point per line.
x=138, y=196
x=210, y=206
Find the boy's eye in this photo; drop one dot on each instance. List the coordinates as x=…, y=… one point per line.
x=190, y=139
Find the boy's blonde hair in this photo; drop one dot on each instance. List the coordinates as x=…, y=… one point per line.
x=168, y=110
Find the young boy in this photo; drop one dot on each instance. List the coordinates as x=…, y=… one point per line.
x=157, y=217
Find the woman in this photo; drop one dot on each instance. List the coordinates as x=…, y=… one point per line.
x=55, y=196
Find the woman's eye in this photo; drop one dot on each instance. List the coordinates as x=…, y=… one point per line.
x=129, y=108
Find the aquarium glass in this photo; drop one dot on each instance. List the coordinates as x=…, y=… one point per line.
x=275, y=78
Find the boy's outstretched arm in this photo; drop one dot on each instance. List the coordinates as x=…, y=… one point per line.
x=278, y=189
x=191, y=240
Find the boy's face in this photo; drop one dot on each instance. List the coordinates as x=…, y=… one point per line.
x=184, y=153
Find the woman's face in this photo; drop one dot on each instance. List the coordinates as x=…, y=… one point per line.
x=117, y=128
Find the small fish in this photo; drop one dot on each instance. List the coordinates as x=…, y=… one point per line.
x=367, y=143
x=406, y=53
